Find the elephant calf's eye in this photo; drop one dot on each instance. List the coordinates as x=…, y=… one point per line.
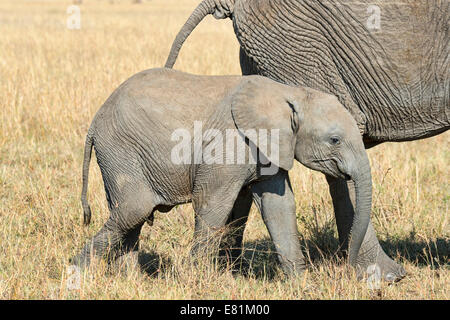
x=335, y=141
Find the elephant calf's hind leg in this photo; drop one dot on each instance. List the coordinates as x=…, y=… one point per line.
x=103, y=244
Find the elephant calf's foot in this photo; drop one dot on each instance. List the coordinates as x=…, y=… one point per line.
x=377, y=266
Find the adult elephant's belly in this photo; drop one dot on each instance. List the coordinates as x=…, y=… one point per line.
x=388, y=64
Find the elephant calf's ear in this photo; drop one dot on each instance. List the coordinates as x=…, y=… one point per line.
x=298, y=114
x=259, y=104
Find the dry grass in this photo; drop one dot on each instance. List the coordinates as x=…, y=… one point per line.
x=52, y=81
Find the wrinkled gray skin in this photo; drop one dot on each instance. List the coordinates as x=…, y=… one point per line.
x=132, y=137
x=394, y=81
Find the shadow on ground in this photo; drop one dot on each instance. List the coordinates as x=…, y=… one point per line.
x=261, y=258
x=434, y=253
x=152, y=263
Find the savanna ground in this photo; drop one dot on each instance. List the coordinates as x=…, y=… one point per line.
x=53, y=80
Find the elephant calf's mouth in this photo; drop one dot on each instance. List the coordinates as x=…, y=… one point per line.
x=344, y=175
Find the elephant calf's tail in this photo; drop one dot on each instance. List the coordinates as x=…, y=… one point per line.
x=221, y=9
x=86, y=161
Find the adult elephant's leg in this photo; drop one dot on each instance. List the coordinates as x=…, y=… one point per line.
x=231, y=246
x=276, y=202
x=248, y=66
x=371, y=255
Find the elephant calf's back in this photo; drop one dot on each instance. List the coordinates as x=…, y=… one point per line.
x=134, y=129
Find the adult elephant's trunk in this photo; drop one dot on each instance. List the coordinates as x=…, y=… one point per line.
x=221, y=10
x=362, y=179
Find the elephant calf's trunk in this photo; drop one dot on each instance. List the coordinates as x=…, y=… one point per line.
x=363, y=191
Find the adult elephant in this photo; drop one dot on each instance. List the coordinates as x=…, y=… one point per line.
x=387, y=64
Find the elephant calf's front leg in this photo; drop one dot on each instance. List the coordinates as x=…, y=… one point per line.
x=231, y=246
x=213, y=205
x=276, y=202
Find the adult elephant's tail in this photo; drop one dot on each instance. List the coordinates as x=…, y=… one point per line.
x=221, y=9
x=86, y=162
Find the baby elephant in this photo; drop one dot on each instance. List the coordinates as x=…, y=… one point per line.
x=165, y=138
